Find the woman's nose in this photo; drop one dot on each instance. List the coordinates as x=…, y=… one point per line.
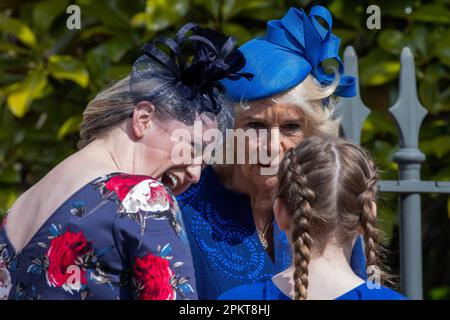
x=193, y=173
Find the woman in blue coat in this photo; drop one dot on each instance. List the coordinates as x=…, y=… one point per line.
x=228, y=214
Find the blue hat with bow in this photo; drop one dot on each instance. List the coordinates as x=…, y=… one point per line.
x=292, y=47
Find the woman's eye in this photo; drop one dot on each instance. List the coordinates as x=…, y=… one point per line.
x=292, y=126
x=256, y=125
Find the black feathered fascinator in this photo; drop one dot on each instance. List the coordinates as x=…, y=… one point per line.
x=182, y=74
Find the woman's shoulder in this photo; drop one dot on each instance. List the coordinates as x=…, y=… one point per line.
x=372, y=292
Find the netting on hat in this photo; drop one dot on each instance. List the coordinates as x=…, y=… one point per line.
x=184, y=83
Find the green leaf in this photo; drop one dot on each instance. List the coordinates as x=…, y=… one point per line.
x=419, y=34
x=70, y=126
x=442, y=48
x=108, y=12
x=10, y=175
x=431, y=13
x=118, y=46
x=348, y=12
x=391, y=40
x=440, y=293
x=45, y=12
x=18, y=29
x=160, y=14
x=22, y=94
x=441, y=146
x=262, y=10
x=97, y=60
x=7, y=198
x=68, y=68
x=345, y=34
x=87, y=33
x=241, y=34
x=117, y=72
x=213, y=7
x=9, y=47
x=378, y=68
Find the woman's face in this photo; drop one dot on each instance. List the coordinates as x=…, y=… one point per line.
x=286, y=127
x=168, y=148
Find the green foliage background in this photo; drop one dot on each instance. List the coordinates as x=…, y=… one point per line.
x=48, y=74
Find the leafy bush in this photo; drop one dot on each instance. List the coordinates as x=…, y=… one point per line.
x=49, y=73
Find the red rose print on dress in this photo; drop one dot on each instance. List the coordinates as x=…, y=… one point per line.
x=142, y=198
x=140, y=193
x=152, y=278
x=65, y=261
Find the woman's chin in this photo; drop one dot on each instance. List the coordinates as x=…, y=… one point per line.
x=268, y=183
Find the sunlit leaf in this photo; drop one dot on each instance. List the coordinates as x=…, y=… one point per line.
x=391, y=40
x=7, y=198
x=440, y=293
x=68, y=68
x=22, y=94
x=18, y=29
x=9, y=47
x=70, y=126
x=378, y=68
x=160, y=14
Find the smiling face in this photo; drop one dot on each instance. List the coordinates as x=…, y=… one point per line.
x=287, y=122
x=157, y=142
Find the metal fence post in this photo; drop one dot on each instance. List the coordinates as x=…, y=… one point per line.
x=408, y=114
x=352, y=111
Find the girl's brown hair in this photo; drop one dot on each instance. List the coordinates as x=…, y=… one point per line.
x=327, y=185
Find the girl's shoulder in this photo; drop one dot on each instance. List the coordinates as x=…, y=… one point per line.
x=372, y=292
x=255, y=291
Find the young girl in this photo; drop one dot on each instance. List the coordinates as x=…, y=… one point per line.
x=326, y=197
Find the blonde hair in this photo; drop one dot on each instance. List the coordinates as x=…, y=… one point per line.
x=309, y=96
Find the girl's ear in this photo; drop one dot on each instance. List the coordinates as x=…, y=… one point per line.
x=281, y=215
x=142, y=118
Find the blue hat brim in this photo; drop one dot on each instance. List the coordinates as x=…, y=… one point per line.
x=276, y=69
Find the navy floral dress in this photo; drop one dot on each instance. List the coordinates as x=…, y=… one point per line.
x=119, y=237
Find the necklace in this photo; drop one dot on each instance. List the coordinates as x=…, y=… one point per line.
x=262, y=235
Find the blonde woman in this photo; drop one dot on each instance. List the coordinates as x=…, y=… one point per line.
x=104, y=223
x=229, y=217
